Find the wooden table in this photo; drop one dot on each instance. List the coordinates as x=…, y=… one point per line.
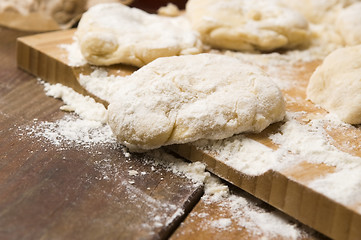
x=47, y=192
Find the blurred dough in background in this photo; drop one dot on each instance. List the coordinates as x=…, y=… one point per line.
x=319, y=11
x=348, y=24
x=247, y=25
x=45, y=15
x=114, y=33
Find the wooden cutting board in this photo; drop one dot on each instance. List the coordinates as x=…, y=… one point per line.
x=286, y=190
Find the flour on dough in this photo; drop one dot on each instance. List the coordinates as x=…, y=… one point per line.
x=185, y=98
x=247, y=24
x=348, y=24
x=336, y=84
x=114, y=33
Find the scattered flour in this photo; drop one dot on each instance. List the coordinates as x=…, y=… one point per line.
x=259, y=222
x=133, y=173
x=221, y=223
x=296, y=143
x=85, y=106
x=74, y=56
x=239, y=213
x=73, y=131
x=101, y=84
x=241, y=153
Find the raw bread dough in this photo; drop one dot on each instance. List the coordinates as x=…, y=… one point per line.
x=40, y=15
x=319, y=11
x=247, y=24
x=336, y=84
x=185, y=98
x=348, y=24
x=114, y=33
x=171, y=10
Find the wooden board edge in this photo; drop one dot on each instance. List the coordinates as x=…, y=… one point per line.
x=187, y=207
x=34, y=61
x=289, y=196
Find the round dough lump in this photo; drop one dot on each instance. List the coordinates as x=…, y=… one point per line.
x=336, y=84
x=247, y=24
x=185, y=98
x=114, y=33
x=348, y=24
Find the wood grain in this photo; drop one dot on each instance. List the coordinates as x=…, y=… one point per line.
x=74, y=192
x=200, y=223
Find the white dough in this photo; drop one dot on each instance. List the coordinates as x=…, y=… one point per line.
x=348, y=24
x=336, y=84
x=247, y=24
x=114, y=33
x=185, y=98
x=319, y=11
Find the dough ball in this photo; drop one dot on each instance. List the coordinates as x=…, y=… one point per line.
x=348, y=24
x=181, y=99
x=247, y=24
x=114, y=33
x=336, y=84
x=318, y=11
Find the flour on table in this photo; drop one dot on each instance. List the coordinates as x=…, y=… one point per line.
x=204, y=96
x=247, y=25
x=74, y=56
x=85, y=106
x=237, y=213
x=296, y=143
x=101, y=84
x=114, y=33
x=72, y=131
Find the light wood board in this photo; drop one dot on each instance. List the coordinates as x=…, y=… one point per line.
x=67, y=191
x=286, y=190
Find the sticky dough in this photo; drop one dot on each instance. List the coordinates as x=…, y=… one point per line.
x=247, y=25
x=114, y=33
x=185, y=98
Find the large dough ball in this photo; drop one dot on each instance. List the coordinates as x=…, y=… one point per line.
x=348, y=24
x=336, y=84
x=185, y=98
x=247, y=24
x=114, y=33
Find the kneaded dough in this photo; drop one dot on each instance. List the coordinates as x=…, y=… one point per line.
x=247, y=24
x=336, y=84
x=348, y=24
x=114, y=33
x=319, y=11
x=185, y=98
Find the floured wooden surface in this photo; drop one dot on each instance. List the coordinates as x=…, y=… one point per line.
x=54, y=185
x=240, y=216
x=287, y=188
